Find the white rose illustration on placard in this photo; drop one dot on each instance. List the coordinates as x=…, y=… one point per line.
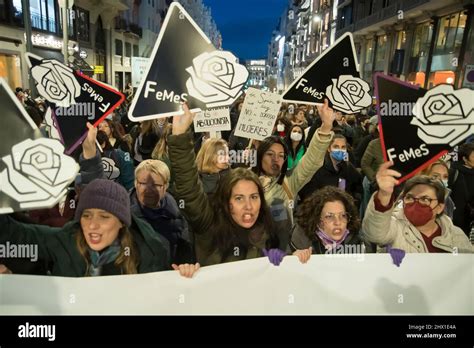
x=56, y=82
x=349, y=94
x=216, y=78
x=444, y=115
x=111, y=171
x=37, y=173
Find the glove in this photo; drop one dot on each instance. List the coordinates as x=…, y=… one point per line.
x=396, y=254
x=274, y=255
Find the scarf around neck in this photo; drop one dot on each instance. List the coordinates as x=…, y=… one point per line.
x=98, y=259
x=328, y=242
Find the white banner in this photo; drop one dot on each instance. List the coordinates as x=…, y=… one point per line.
x=338, y=284
x=258, y=115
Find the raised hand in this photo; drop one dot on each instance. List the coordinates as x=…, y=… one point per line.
x=386, y=181
x=304, y=254
x=327, y=116
x=181, y=123
x=89, y=148
x=186, y=270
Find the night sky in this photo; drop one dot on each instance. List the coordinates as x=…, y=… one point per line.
x=246, y=25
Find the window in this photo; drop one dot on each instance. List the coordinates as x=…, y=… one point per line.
x=419, y=53
x=380, y=53
x=135, y=51
x=43, y=15
x=118, y=47
x=128, y=49
x=447, y=48
x=82, y=24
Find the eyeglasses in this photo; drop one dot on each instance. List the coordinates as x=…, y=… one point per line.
x=145, y=184
x=274, y=156
x=330, y=217
x=424, y=200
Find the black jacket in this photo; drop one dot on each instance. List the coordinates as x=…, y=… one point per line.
x=328, y=175
x=462, y=184
x=168, y=222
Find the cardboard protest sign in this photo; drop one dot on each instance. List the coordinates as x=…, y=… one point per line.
x=258, y=115
x=185, y=66
x=212, y=120
x=419, y=126
x=74, y=98
x=34, y=172
x=333, y=75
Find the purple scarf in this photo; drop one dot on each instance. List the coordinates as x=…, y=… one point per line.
x=328, y=242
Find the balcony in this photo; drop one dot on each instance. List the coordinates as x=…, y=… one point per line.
x=122, y=25
x=135, y=29
x=340, y=32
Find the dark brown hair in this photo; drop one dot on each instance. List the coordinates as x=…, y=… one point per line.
x=429, y=181
x=228, y=234
x=308, y=215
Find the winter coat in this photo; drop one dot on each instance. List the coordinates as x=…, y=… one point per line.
x=169, y=222
x=147, y=144
x=392, y=227
x=463, y=196
x=211, y=181
x=372, y=159
x=198, y=209
x=58, y=246
x=327, y=175
x=281, y=198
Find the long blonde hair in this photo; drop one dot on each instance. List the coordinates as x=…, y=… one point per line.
x=161, y=148
x=128, y=258
x=207, y=156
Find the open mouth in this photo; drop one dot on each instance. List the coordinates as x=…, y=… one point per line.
x=248, y=218
x=95, y=238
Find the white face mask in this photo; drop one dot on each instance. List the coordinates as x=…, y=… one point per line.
x=296, y=136
x=280, y=127
x=291, y=109
x=445, y=182
x=311, y=111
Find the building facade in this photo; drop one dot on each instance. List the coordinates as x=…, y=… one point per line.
x=420, y=41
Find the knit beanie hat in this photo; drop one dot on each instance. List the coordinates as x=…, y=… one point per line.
x=106, y=195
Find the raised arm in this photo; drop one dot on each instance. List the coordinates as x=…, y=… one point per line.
x=313, y=159
x=378, y=216
x=188, y=186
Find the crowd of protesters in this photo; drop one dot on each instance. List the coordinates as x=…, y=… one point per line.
x=177, y=199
